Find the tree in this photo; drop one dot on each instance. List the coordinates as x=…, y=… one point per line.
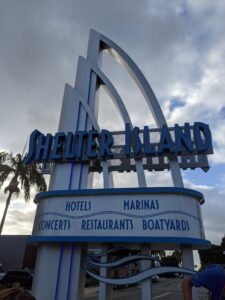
x=178, y=256
x=158, y=253
x=170, y=260
x=13, y=169
x=214, y=255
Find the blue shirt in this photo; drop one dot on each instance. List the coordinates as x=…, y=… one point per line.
x=212, y=278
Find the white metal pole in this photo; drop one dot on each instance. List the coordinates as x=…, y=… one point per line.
x=146, y=285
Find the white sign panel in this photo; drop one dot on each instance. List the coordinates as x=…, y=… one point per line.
x=136, y=214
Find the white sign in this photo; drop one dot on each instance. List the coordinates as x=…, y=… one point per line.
x=140, y=214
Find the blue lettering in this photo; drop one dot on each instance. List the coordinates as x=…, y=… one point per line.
x=83, y=145
x=68, y=227
x=157, y=227
x=81, y=136
x=54, y=225
x=172, y=226
x=69, y=147
x=91, y=144
x=60, y=225
x=116, y=225
x=161, y=223
x=203, y=139
x=110, y=225
x=136, y=142
x=122, y=224
x=132, y=206
x=142, y=204
x=107, y=224
x=165, y=224
x=32, y=147
x=188, y=227
x=126, y=204
x=148, y=150
x=59, y=140
x=105, y=144
x=99, y=226
x=67, y=206
x=78, y=206
x=166, y=144
x=144, y=224
x=131, y=224
x=43, y=148
x=178, y=225
x=127, y=139
x=138, y=204
x=152, y=205
x=183, y=139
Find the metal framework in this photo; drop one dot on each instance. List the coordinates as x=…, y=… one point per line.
x=79, y=111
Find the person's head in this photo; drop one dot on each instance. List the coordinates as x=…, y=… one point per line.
x=15, y=294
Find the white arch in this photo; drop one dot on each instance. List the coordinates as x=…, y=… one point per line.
x=98, y=43
x=121, y=109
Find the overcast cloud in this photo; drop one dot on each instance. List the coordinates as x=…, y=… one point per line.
x=179, y=46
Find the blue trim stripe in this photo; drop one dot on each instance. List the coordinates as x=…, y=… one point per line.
x=85, y=126
x=80, y=178
x=121, y=239
x=107, y=213
x=115, y=191
x=59, y=272
x=71, y=175
x=69, y=188
x=73, y=163
x=143, y=275
x=70, y=272
x=88, y=98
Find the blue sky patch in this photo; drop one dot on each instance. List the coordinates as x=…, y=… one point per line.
x=213, y=177
x=176, y=102
x=222, y=112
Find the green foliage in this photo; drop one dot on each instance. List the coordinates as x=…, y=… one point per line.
x=172, y=260
x=178, y=255
x=214, y=255
x=160, y=253
x=13, y=169
x=20, y=177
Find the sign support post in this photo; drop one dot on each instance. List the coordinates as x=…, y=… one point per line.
x=146, y=286
x=105, y=290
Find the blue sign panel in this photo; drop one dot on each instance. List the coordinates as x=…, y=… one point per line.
x=89, y=145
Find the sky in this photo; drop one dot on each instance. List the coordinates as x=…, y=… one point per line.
x=178, y=45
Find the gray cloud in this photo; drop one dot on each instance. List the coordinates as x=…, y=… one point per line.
x=179, y=45
x=212, y=211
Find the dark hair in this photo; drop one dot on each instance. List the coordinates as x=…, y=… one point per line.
x=15, y=294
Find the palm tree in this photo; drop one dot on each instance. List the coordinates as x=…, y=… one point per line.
x=13, y=169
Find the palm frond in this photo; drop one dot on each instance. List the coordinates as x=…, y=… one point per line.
x=27, y=175
x=15, y=190
x=26, y=187
x=36, y=178
x=4, y=167
x=5, y=171
x=6, y=189
x=3, y=157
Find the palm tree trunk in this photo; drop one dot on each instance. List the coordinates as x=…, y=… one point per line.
x=5, y=211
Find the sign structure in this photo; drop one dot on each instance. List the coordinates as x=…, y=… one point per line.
x=115, y=215
x=71, y=215
x=83, y=146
